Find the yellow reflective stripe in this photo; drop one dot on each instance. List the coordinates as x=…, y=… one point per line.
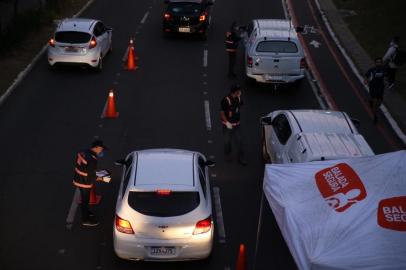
x=80, y=172
x=82, y=185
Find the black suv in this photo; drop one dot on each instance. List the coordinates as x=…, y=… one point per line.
x=187, y=16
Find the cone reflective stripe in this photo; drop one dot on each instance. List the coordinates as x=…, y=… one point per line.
x=241, y=263
x=131, y=64
x=110, y=111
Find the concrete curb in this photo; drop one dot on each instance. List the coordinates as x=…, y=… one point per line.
x=357, y=73
x=28, y=68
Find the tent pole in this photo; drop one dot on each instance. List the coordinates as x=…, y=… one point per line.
x=258, y=228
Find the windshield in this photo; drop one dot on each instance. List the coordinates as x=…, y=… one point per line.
x=72, y=37
x=184, y=8
x=277, y=46
x=163, y=205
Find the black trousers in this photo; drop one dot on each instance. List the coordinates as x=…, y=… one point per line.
x=231, y=135
x=391, y=75
x=85, y=197
x=231, y=62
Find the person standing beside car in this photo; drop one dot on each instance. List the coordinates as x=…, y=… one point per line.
x=232, y=40
x=85, y=177
x=375, y=79
x=393, y=59
x=230, y=118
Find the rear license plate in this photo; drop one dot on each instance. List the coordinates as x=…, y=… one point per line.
x=162, y=251
x=184, y=29
x=71, y=49
x=273, y=78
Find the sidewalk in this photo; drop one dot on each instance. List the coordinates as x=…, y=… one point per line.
x=394, y=102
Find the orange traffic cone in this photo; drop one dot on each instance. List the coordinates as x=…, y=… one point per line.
x=241, y=264
x=110, y=109
x=93, y=198
x=131, y=57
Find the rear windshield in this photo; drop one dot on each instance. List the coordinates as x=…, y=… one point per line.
x=184, y=8
x=154, y=204
x=72, y=37
x=277, y=46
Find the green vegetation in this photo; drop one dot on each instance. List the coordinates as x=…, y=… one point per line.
x=374, y=25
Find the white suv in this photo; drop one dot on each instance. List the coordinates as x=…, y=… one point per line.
x=80, y=41
x=273, y=52
x=163, y=210
x=290, y=136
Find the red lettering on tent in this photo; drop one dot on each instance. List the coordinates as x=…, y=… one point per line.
x=340, y=186
x=392, y=213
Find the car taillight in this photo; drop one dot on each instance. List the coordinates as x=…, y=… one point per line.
x=51, y=42
x=163, y=192
x=203, y=226
x=167, y=16
x=202, y=17
x=92, y=43
x=303, y=63
x=123, y=225
x=249, y=61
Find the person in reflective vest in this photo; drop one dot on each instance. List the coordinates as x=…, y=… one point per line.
x=232, y=40
x=230, y=118
x=85, y=177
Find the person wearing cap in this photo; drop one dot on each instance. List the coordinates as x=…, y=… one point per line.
x=230, y=118
x=85, y=177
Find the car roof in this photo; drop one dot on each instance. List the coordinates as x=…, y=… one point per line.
x=278, y=33
x=322, y=121
x=326, y=146
x=274, y=24
x=77, y=24
x=165, y=168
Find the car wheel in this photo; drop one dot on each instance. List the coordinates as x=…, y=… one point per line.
x=99, y=66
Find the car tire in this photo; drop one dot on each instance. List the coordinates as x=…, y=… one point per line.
x=99, y=66
x=265, y=156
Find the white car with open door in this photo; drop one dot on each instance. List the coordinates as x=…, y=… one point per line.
x=164, y=210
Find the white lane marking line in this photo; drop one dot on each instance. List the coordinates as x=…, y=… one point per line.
x=315, y=89
x=211, y=157
x=125, y=56
x=213, y=175
x=207, y=115
x=145, y=17
x=219, y=215
x=72, y=210
x=355, y=70
x=205, y=53
x=204, y=93
x=209, y=141
x=227, y=268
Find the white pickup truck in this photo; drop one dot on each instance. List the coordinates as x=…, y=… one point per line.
x=273, y=52
x=290, y=136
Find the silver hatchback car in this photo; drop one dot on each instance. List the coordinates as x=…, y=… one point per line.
x=80, y=41
x=164, y=210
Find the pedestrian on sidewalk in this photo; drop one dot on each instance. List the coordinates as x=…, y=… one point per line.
x=85, y=177
x=375, y=79
x=232, y=40
x=230, y=118
x=392, y=61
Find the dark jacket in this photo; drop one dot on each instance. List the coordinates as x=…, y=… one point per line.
x=85, y=169
x=232, y=41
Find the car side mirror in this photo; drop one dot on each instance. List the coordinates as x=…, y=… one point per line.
x=266, y=120
x=120, y=162
x=108, y=28
x=356, y=122
x=210, y=163
x=299, y=29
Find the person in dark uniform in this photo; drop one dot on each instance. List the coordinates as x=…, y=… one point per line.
x=85, y=177
x=232, y=40
x=375, y=79
x=230, y=118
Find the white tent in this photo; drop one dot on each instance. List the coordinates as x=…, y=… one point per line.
x=342, y=214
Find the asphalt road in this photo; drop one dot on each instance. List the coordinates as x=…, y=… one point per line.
x=53, y=114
